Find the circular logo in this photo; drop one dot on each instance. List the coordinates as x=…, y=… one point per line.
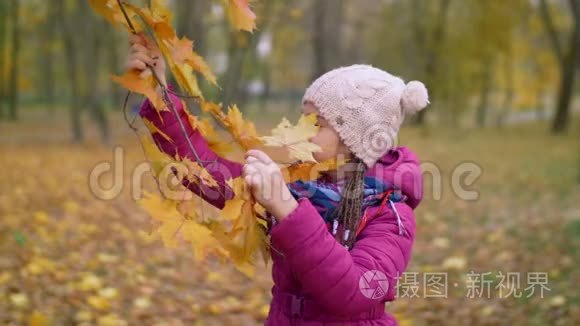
x=378, y=138
x=373, y=284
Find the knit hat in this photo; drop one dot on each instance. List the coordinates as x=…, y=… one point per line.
x=366, y=106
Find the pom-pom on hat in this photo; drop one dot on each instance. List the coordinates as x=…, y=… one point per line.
x=366, y=106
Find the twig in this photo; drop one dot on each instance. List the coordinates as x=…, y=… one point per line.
x=129, y=123
x=127, y=17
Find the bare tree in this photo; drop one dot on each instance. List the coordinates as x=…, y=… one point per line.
x=566, y=60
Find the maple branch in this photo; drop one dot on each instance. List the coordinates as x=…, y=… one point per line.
x=166, y=99
x=129, y=123
x=164, y=90
x=127, y=17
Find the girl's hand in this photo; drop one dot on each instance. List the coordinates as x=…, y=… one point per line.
x=144, y=54
x=267, y=184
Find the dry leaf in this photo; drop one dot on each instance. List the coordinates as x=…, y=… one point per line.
x=244, y=131
x=309, y=171
x=295, y=139
x=240, y=15
x=145, y=86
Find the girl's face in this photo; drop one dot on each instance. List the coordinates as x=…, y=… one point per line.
x=327, y=138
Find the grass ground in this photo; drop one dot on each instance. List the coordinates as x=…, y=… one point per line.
x=68, y=257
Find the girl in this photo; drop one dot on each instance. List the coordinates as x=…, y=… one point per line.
x=340, y=242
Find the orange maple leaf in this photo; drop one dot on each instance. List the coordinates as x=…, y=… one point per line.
x=182, y=53
x=309, y=171
x=146, y=86
x=240, y=15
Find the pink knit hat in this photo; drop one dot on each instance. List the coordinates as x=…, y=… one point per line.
x=366, y=106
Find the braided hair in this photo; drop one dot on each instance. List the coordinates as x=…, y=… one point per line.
x=350, y=205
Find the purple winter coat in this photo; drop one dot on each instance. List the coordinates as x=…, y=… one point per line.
x=316, y=280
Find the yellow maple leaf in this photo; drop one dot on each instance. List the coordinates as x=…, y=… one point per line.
x=165, y=35
x=38, y=319
x=216, y=143
x=165, y=211
x=182, y=53
x=295, y=138
x=98, y=302
x=146, y=86
x=184, y=77
x=201, y=239
x=244, y=132
x=211, y=107
x=158, y=18
x=157, y=159
x=174, y=224
x=309, y=171
x=154, y=130
x=111, y=11
x=246, y=235
x=197, y=174
x=240, y=15
x=161, y=9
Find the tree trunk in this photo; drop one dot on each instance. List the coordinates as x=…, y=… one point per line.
x=239, y=42
x=326, y=39
x=3, y=29
x=243, y=45
x=191, y=22
x=72, y=71
x=485, y=91
x=568, y=71
x=509, y=91
x=562, y=118
x=567, y=63
x=116, y=93
x=433, y=55
x=15, y=59
x=92, y=98
x=47, y=60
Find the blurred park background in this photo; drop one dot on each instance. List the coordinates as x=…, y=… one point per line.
x=501, y=76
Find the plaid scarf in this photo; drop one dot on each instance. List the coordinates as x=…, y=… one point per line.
x=325, y=196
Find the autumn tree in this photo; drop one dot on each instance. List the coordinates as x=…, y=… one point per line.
x=327, y=23
x=566, y=56
x=15, y=59
x=433, y=42
x=3, y=42
x=241, y=51
x=67, y=18
x=93, y=56
x=47, y=62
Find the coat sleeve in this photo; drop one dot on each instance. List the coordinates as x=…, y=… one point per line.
x=220, y=168
x=328, y=272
